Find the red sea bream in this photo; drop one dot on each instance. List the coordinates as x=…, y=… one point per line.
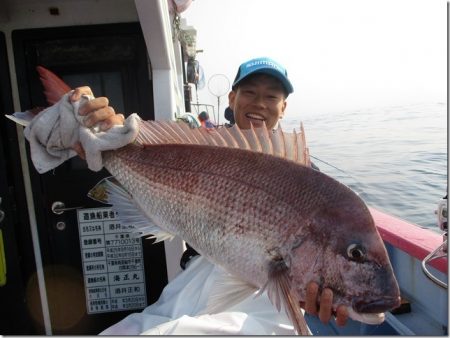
x=272, y=222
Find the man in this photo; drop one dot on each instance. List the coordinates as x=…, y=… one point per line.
x=258, y=97
x=205, y=121
x=259, y=93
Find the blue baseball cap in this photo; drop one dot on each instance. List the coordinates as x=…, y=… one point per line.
x=263, y=65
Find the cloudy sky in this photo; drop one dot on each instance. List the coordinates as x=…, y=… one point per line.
x=340, y=54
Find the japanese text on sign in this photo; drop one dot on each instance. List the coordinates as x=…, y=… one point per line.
x=113, y=265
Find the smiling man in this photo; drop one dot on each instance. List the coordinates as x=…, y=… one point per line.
x=259, y=93
x=258, y=97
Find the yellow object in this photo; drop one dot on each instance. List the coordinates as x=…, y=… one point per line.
x=2, y=261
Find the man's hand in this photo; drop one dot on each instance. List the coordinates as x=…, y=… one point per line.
x=96, y=111
x=325, y=309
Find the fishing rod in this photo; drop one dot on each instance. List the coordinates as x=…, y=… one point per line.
x=342, y=171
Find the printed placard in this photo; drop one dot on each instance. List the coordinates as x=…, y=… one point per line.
x=113, y=264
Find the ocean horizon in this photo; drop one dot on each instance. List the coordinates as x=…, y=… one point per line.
x=394, y=158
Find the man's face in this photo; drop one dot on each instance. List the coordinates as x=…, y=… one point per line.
x=257, y=100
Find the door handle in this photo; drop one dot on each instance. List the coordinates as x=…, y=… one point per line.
x=59, y=207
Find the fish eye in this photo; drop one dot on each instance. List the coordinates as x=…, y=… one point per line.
x=355, y=252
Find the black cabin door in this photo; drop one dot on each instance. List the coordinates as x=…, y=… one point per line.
x=112, y=60
x=16, y=257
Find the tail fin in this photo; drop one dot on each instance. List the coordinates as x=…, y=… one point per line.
x=54, y=87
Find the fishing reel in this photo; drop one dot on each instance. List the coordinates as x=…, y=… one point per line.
x=442, y=215
x=441, y=251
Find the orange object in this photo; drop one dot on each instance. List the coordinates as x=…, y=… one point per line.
x=54, y=87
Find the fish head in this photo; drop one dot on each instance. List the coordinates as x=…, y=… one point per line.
x=341, y=249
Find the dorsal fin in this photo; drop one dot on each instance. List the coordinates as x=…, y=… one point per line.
x=291, y=146
x=252, y=139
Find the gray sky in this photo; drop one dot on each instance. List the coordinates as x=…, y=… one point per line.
x=340, y=54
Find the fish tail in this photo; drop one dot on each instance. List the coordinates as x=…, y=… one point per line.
x=54, y=87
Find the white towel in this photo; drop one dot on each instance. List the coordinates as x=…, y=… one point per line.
x=54, y=131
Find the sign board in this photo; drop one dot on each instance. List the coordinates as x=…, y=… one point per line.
x=113, y=263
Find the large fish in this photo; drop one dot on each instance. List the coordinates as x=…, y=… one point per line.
x=273, y=223
x=248, y=201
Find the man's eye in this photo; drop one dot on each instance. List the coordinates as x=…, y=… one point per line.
x=273, y=98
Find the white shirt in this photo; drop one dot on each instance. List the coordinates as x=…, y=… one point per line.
x=179, y=310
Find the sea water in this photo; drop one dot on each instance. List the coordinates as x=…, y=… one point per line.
x=395, y=158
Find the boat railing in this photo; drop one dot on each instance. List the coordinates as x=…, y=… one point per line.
x=439, y=252
x=199, y=107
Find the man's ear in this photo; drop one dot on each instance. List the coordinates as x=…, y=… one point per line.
x=231, y=97
x=283, y=109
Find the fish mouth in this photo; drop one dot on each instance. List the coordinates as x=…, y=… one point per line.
x=368, y=318
x=376, y=306
x=372, y=312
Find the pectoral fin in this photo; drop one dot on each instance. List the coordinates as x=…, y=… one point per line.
x=281, y=295
x=109, y=191
x=228, y=291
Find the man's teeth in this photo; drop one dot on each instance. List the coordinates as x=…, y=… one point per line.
x=255, y=117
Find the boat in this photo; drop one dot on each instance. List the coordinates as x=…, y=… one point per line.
x=134, y=52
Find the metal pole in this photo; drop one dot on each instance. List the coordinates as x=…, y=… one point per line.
x=218, y=109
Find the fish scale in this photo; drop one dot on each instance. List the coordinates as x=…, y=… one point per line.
x=254, y=220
